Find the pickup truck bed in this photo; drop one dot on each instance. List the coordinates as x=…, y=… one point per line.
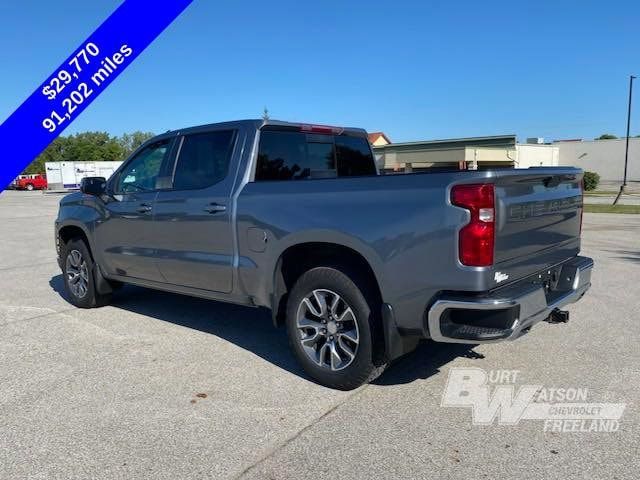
x=299, y=222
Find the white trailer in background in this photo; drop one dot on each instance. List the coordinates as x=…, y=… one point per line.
x=63, y=175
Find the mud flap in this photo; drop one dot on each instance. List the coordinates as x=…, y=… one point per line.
x=103, y=286
x=394, y=343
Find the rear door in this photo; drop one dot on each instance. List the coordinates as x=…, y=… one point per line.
x=192, y=220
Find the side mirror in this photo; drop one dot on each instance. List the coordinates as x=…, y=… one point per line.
x=93, y=185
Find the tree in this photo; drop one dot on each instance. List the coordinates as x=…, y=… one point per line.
x=606, y=136
x=130, y=141
x=55, y=152
x=88, y=147
x=93, y=147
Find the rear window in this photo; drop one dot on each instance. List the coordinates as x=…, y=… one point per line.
x=296, y=156
x=203, y=160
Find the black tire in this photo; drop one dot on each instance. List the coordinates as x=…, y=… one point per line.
x=363, y=367
x=29, y=187
x=91, y=298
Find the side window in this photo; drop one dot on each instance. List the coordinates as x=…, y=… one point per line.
x=354, y=157
x=281, y=156
x=203, y=160
x=142, y=173
x=295, y=156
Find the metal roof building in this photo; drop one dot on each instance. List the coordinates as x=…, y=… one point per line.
x=606, y=157
x=463, y=153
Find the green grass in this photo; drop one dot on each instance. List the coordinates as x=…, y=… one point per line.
x=595, y=193
x=602, y=208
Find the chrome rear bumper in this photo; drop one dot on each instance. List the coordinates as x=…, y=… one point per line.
x=511, y=310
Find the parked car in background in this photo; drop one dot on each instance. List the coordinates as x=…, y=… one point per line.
x=30, y=182
x=358, y=266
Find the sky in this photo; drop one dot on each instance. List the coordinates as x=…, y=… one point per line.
x=417, y=70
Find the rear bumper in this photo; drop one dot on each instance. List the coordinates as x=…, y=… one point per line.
x=509, y=312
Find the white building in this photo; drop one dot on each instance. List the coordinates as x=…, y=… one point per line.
x=605, y=157
x=537, y=155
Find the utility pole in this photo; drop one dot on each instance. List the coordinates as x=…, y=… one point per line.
x=626, y=151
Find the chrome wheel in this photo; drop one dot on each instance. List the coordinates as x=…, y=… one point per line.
x=77, y=274
x=328, y=330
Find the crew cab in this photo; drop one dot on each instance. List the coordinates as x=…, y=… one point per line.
x=36, y=181
x=358, y=266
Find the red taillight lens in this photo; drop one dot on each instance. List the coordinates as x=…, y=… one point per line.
x=477, y=238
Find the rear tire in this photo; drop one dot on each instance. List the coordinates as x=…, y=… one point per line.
x=79, y=282
x=29, y=187
x=333, y=330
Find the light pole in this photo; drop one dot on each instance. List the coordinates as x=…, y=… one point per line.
x=626, y=150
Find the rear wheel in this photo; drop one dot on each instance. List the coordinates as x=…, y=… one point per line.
x=29, y=187
x=79, y=281
x=333, y=328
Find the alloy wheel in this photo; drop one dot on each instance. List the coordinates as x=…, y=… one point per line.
x=77, y=274
x=328, y=330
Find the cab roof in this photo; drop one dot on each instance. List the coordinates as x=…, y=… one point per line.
x=259, y=124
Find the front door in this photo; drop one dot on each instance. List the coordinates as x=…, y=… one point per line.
x=192, y=220
x=125, y=235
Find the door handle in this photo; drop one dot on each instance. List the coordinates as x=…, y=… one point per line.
x=215, y=208
x=144, y=208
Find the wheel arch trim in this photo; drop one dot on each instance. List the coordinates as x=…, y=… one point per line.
x=278, y=287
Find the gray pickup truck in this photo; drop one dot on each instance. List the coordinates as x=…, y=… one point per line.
x=358, y=266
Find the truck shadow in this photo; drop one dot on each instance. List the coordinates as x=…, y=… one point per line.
x=425, y=361
x=629, y=255
x=252, y=330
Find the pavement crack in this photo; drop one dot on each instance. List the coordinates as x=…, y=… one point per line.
x=303, y=430
x=38, y=317
x=31, y=265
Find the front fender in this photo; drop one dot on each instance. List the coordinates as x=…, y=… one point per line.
x=81, y=213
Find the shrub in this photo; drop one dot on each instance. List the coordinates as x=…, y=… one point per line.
x=591, y=180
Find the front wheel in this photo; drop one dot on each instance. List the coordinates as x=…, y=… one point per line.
x=29, y=187
x=79, y=281
x=332, y=329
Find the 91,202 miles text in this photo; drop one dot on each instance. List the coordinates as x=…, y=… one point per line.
x=84, y=90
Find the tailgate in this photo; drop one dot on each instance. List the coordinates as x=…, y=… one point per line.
x=539, y=215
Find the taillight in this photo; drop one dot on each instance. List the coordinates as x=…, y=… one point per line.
x=477, y=239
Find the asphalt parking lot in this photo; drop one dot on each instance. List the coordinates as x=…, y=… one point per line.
x=163, y=386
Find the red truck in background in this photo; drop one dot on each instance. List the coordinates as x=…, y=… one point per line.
x=35, y=181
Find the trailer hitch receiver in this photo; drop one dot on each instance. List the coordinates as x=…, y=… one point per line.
x=558, y=316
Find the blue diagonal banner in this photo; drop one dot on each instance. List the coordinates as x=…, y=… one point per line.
x=80, y=79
